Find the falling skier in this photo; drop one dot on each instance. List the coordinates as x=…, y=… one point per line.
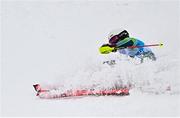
x=120, y=41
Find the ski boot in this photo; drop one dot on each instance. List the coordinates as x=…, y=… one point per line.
x=111, y=62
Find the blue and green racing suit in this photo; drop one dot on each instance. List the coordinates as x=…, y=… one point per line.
x=140, y=52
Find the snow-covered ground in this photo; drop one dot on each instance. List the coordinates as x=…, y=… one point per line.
x=56, y=43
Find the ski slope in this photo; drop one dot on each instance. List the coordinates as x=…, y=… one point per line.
x=55, y=43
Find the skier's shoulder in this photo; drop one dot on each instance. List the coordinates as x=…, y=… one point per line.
x=128, y=41
x=135, y=39
x=131, y=39
x=138, y=41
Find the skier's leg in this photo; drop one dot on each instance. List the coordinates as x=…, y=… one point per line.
x=148, y=53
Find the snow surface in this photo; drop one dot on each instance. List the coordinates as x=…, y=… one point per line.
x=55, y=43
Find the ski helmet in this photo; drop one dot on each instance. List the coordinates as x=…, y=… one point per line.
x=116, y=35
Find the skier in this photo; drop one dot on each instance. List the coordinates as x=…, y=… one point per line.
x=119, y=40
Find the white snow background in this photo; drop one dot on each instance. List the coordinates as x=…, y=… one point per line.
x=56, y=43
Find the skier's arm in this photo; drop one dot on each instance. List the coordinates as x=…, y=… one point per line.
x=125, y=43
x=108, y=48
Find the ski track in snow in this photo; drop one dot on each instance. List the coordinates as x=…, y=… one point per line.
x=149, y=81
x=150, y=77
x=148, y=96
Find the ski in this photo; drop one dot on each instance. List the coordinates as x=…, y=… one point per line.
x=53, y=93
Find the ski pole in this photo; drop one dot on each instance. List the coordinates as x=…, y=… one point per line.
x=106, y=49
x=152, y=45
